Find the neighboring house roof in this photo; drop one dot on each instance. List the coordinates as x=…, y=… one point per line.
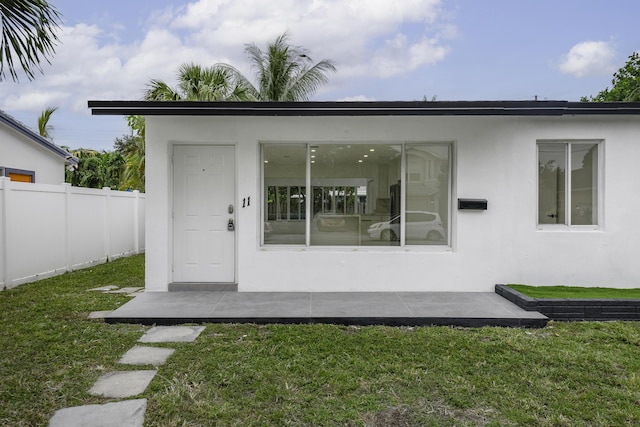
x=37, y=138
x=376, y=108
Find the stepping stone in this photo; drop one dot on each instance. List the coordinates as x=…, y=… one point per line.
x=172, y=334
x=129, y=413
x=122, y=384
x=103, y=288
x=99, y=314
x=140, y=355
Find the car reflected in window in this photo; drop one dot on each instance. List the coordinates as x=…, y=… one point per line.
x=420, y=225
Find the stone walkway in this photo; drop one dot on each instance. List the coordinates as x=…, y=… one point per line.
x=126, y=384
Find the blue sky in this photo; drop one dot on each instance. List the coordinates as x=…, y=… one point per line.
x=383, y=49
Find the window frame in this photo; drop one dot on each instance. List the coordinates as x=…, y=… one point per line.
x=568, y=225
x=447, y=244
x=7, y=172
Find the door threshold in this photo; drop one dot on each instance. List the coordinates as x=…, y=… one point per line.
x=201, y=287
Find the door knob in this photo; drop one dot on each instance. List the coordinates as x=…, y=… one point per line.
x=231, y=226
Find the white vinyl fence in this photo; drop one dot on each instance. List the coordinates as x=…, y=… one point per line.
x=47, y=230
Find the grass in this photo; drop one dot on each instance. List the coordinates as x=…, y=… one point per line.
x=575, y=292
x=585, y=373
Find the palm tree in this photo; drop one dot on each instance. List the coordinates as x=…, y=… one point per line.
x=197, y=83
x=285, y=72
x=44, y=128
x=132, y=149
x=27, y=33
x=134, y=167
x=96, y=169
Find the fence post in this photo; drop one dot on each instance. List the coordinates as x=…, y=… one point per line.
x=136, y=222
x=67, y=225
x=6, y=277
x=107, y=222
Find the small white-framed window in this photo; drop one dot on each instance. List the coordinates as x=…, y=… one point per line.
x=569, y=183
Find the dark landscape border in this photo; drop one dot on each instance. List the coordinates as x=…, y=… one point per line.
x=569, y=309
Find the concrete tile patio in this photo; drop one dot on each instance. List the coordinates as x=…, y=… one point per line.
x=361, y=308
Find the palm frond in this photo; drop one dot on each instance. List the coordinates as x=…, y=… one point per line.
x=310, y=80
x=43, y=122
x=28, y=33
x=157, y=90
x=285, y=72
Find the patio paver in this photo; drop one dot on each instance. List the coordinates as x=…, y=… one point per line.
x=121, y=384
x=128, y=413
x=172, y=334
x=142, y=355
x=361, y=308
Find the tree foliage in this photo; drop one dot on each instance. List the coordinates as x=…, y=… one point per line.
x=132, y=148
x=123, y=168
x=28, y=30
x=625, y=85
x=96, y=169
x=198, y=83
x=285, y=72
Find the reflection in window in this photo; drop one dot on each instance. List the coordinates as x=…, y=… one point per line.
x=584, y=184
x=356, y=194
x=427, y=206
x=284, y=172
x=553, y=161
x=352, y=187
x=551, y=183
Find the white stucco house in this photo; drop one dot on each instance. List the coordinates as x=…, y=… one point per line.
x=26, y=156
x=389, y=196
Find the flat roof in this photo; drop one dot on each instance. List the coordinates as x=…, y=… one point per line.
x=375, y=108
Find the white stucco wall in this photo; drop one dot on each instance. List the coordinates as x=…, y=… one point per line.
x=494, y=158
x=19, y=152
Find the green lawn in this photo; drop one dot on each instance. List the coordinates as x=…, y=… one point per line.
x=573, y=374
x=575, y=292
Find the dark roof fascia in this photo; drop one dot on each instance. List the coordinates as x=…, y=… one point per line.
x=38, y=139
x=386, y=108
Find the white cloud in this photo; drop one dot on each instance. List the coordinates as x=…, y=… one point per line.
x=380, y=38
x=365, y=38
x=399, y=56
x=357, y=98
x=589, y=58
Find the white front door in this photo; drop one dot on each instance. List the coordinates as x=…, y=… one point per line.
x=203, y=207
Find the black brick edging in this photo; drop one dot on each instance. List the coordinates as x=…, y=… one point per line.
x=574, y=309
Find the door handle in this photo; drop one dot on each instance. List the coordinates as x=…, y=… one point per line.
x=230, y=225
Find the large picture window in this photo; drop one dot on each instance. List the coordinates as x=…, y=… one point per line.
x=361, y=194
x=284, y=177
x=568, y=198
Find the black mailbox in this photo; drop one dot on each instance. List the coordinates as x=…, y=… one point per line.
x=472, y=204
